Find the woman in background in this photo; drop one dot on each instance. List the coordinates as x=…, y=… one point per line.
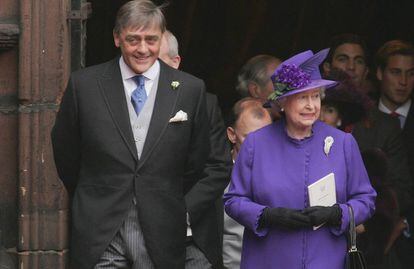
x=343, y=106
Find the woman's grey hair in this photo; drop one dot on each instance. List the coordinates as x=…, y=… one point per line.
x=254, y=70
x=172, y=44
x=139, y=13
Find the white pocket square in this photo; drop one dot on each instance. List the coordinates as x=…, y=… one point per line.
x=179, y=116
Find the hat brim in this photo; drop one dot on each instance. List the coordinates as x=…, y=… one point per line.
x=318, y=83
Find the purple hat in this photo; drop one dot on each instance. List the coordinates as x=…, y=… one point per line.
x=298, y=74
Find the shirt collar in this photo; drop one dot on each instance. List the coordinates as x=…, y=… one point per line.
x=127, y=73
x=401, y=110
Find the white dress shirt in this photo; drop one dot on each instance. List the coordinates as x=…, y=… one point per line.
x=128, y=74
x=402, y=111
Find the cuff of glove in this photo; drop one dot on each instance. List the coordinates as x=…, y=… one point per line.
x=263, y=219
x=336, y=219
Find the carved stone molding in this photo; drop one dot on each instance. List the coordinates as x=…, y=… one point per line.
x=9, y=36
x=44, y=66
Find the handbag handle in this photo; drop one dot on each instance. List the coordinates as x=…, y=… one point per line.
x=352, y=231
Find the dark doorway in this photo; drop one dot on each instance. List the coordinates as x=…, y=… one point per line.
x=216, y=37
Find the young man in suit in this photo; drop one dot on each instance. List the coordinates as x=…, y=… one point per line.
x=207, y=233
x=131, y=145
x=395, y=73
x=348, y=54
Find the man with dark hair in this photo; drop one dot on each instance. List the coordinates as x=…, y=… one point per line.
x=349, y=53
x=395, y=73
x=247, y=115
x=131, y=145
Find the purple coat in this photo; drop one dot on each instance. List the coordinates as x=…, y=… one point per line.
x=274, y=170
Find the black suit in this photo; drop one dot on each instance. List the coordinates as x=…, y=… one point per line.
x=408, y=136
x=96, y=158
x=405, y=246
x=383, y=131
x=208, y=231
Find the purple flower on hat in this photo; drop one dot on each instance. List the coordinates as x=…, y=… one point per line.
x=287, y=78
x=299, y=73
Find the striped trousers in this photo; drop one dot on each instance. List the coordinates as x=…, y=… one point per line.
x=127, y=249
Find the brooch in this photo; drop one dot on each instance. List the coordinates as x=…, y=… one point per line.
x=328, y=144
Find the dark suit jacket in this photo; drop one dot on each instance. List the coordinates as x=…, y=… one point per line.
x=404, y=245
x=384, y=132
x=408, y=136
x=96, y=159
x=208, y=231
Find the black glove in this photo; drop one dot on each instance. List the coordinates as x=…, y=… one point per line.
x=318, y=215
x=284, y=217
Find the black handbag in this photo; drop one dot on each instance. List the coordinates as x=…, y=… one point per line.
x=354, y=258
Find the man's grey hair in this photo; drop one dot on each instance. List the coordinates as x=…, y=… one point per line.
x=172, y=44
x=254, y=70
x=139, y=13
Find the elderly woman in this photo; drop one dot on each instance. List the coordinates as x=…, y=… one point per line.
x=268, y=193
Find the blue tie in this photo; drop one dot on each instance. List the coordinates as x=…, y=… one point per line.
x=139, y=95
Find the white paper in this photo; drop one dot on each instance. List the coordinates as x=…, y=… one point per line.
x=322, y=192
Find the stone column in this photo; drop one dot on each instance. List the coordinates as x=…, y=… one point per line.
x=44, y=65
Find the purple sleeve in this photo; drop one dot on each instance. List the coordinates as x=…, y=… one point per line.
x=238, y=200
x=360, y=194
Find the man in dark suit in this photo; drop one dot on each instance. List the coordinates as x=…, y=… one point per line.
x=348, y=54
x=207, y=233
x=395, y=72
x=131, y=145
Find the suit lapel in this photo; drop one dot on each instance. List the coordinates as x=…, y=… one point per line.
x=409, y=121
x=112, y=88
x=165, y=102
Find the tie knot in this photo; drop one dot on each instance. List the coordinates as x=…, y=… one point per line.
x=139, y=80
x=395, y=114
